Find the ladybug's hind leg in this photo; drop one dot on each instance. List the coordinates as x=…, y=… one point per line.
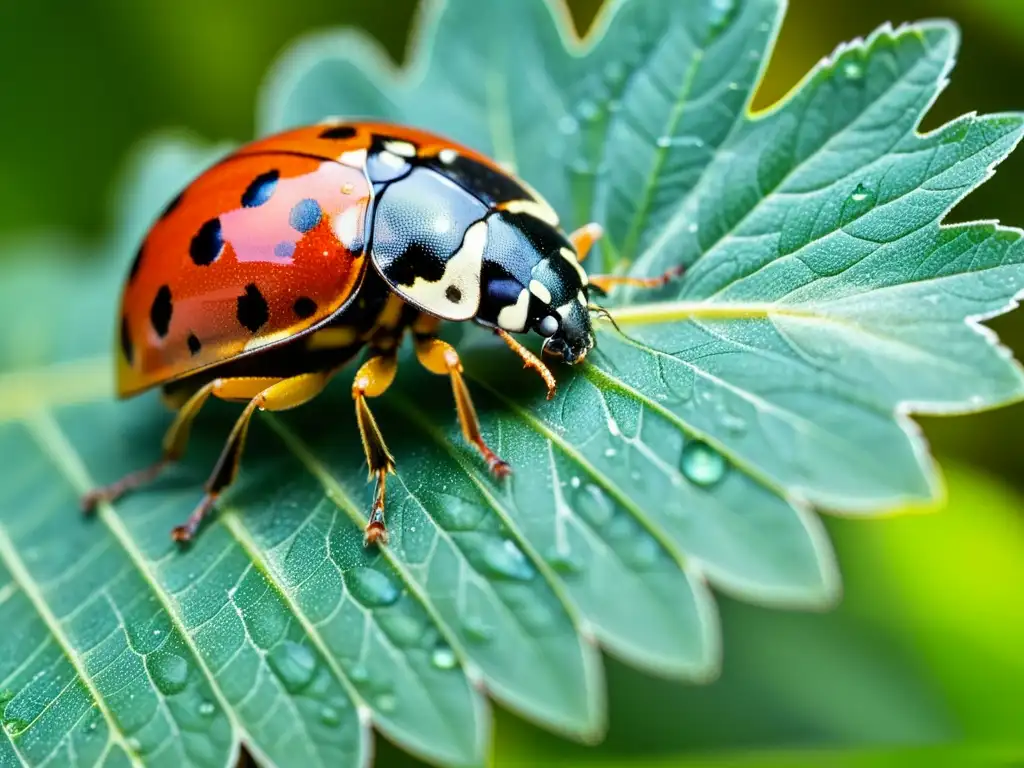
x=175, y=441
x=441, y=358
x=373, y=379
x=265, y=394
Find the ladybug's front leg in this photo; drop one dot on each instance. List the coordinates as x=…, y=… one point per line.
x=440, y=357
x=372, y=380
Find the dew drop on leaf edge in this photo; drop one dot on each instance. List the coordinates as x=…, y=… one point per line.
x=293, y=664
x=701, y=464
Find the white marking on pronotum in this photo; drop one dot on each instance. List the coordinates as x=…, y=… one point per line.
x=538, y=289
x=541, y=211
x=348, y=225
x=456, y=296
x=513, y=317
x=402, y=148
x=581, y=299
x=569, y=255
x=354, y=158
x=564, y=309
x=390, y=158
x=447, y=156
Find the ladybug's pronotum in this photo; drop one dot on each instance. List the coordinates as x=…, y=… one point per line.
x=278, y=265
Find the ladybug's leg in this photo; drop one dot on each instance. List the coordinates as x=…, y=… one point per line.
x=530, y=360
x=584, y=238
x=266, y=394
x=372, y=380
x=174, y=444
x=604, y=283
x=441, y=358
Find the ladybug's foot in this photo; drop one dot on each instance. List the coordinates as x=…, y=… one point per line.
x=129, y=482
x=185, y=533
x=376, y=530
x=497, y=465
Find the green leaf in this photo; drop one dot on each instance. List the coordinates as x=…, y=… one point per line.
x=822, y=301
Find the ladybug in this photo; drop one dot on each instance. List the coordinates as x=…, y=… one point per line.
x=284, y=261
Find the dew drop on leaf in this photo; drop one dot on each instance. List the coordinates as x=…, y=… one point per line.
x=701, y=464
x=330, y=716
x=505, y=560
x=477, y=630
x=564, y=562
x=852, y=70
x=359, y=674
x=206, y=709
x=593, y=505
x=133, y=744
x=169, y=672
x=587, y=110
x=371, y=587
x=861, y=193
x=386, y=702
x=443, y=657
x=293, y=664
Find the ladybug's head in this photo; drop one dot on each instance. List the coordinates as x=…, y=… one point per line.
x=532, y=281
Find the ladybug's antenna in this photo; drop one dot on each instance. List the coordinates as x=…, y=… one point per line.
x=605, y=314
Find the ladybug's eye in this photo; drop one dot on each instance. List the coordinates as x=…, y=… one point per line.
x=547, y=326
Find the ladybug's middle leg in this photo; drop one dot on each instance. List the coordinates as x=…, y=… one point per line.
x=372, y=380
x=583, y=240
x=265, y=394
x=441, y=358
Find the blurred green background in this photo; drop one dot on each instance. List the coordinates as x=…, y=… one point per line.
x=923, y=664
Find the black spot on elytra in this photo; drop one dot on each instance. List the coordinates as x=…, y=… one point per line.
x=253, y=312
x=169, y=209
x=304, y=307
x=126, y=340
x=453, y=294
x=207, y=244
x=260, y=189
x=136, y=262
x=160, y=311
x=339, y=132
x=194, y=345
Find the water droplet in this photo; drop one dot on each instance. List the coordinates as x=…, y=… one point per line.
x=609, y=452
x=702, y=464
x=581, y=167
x=614, y=72
x=386, y=702
x=371, y=587
x=293, y=664
x=506, y=561
x=330, y=716
x=443, y=657
x=664, y=141
x=157, y=633
x=646, y=552
x=568, y=125
x=169, y=672
x=206, y=709
x=133, y=744
x=733, y=86
x=691, y=227
x=852, y=70
x=593, y=505
x=574, y=482
x=722, y=14
x=564, y=562
x=359, y=674
x=587, y=110
x=860, y=193
x=477, y=631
